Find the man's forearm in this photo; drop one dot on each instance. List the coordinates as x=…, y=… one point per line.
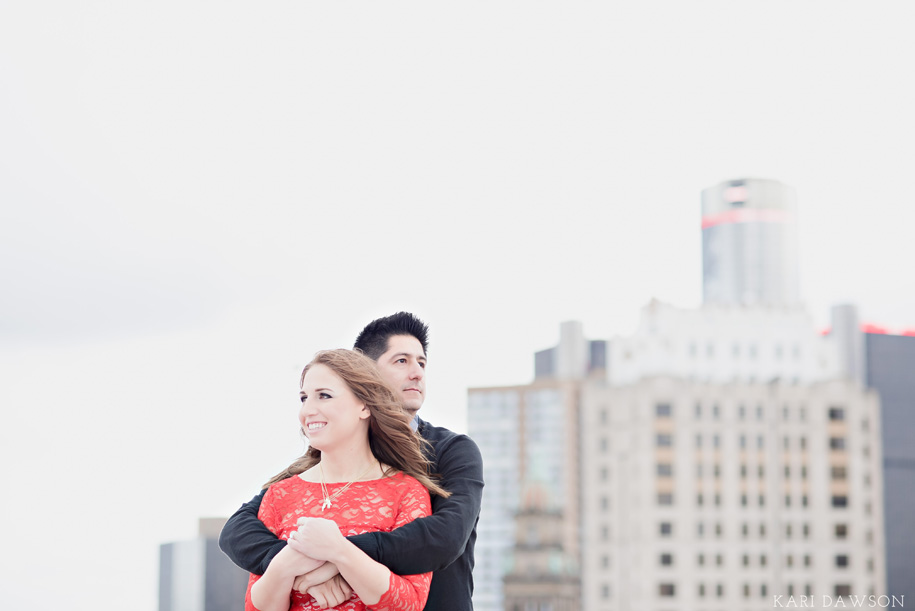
x=247, y=542
x=432, y=543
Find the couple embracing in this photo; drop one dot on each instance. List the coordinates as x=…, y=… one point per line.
x=381, y=511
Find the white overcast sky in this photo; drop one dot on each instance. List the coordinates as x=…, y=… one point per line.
x=197, y=196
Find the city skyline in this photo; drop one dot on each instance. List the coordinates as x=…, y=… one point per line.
x=196, y=198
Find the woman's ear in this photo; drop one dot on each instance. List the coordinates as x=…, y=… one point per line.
x=365, y=413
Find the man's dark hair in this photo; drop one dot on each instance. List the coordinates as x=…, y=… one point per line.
x=373, y=340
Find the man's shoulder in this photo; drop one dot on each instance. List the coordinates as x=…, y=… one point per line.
x=443, y=440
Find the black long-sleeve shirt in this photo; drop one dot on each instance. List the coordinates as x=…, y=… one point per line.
x=442, y=543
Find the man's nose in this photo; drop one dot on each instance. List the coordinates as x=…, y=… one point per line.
x=417, y=372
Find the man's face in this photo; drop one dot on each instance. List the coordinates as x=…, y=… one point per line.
x=403, y=366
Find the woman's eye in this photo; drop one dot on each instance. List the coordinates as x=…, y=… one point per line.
x=303, y=397
x=324, y=395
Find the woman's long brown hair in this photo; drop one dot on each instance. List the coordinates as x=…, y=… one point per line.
x=391, y=439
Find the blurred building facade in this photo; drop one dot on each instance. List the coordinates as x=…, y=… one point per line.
x=729, y=464
x=529, y=435
x=195, y=575
x=720, y=455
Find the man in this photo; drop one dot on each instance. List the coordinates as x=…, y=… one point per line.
x=441, y=543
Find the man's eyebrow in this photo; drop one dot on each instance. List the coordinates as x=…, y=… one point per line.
x=400, y=354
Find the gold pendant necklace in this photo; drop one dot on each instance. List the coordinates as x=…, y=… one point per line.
x=330, y=497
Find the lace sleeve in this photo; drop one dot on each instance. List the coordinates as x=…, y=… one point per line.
x=408, y=592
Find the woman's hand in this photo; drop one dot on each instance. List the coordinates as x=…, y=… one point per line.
x=322, y=538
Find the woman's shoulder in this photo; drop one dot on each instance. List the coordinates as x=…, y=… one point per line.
x=404, y=483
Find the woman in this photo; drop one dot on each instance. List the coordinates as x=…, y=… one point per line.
x=364, y=471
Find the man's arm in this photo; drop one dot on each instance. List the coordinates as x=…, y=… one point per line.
x=246, y=541
x=434, y=542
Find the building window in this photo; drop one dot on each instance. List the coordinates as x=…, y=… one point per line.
x=717, y=500
x=666, y=589
x=836, y=413
x=787, y=500
x=842, y=561
x=746, y=590
x=763, y=590
x=839, y=473
x=698, y=441
x=701, y=590
x=787, y=531
x=761, y=471
x=842, y=589
x=841, y=531
x=789, y=561
x=666, y=529
x=762, y=560
x=604, y=503
x=803, y=471
x=662, y=410
x=700, y=529
x=807, y=560
x=787, y=471
x=700, y=559
x=759, y=412
x=667, y=559
x=742, y=441
x=743, y=471
x=742, y=412
x=762, y=500
x=760, y=442
x=664, y=440
x=716, y=441
x=698, y=410
x=665, y=498
x=746, y=560
x=699, y=499
x=718, y=530
x=762, y=530
x=719, y=560
x=665, y=469
x=744, y=529
x=839, y=500
x=716, y=412
x=836, y=443
x=699, y=471
x=605, y=591
x=806, y=528
x=719, y=590
x=804, y=500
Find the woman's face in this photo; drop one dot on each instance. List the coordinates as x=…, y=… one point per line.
x=331, y=415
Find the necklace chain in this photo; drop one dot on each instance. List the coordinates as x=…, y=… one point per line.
x=330, y=497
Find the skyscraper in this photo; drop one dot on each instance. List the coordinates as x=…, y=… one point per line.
x=749, y=243
x=195, y=575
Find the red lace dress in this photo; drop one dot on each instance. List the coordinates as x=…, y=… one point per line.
x=377, y=505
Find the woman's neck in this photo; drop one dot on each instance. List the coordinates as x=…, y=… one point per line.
x=348, y=466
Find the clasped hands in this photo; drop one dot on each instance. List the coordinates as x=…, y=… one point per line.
x=320, y=539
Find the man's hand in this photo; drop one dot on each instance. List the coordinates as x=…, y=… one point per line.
x=322, y=538
x=331, y=593
x=325, y=572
